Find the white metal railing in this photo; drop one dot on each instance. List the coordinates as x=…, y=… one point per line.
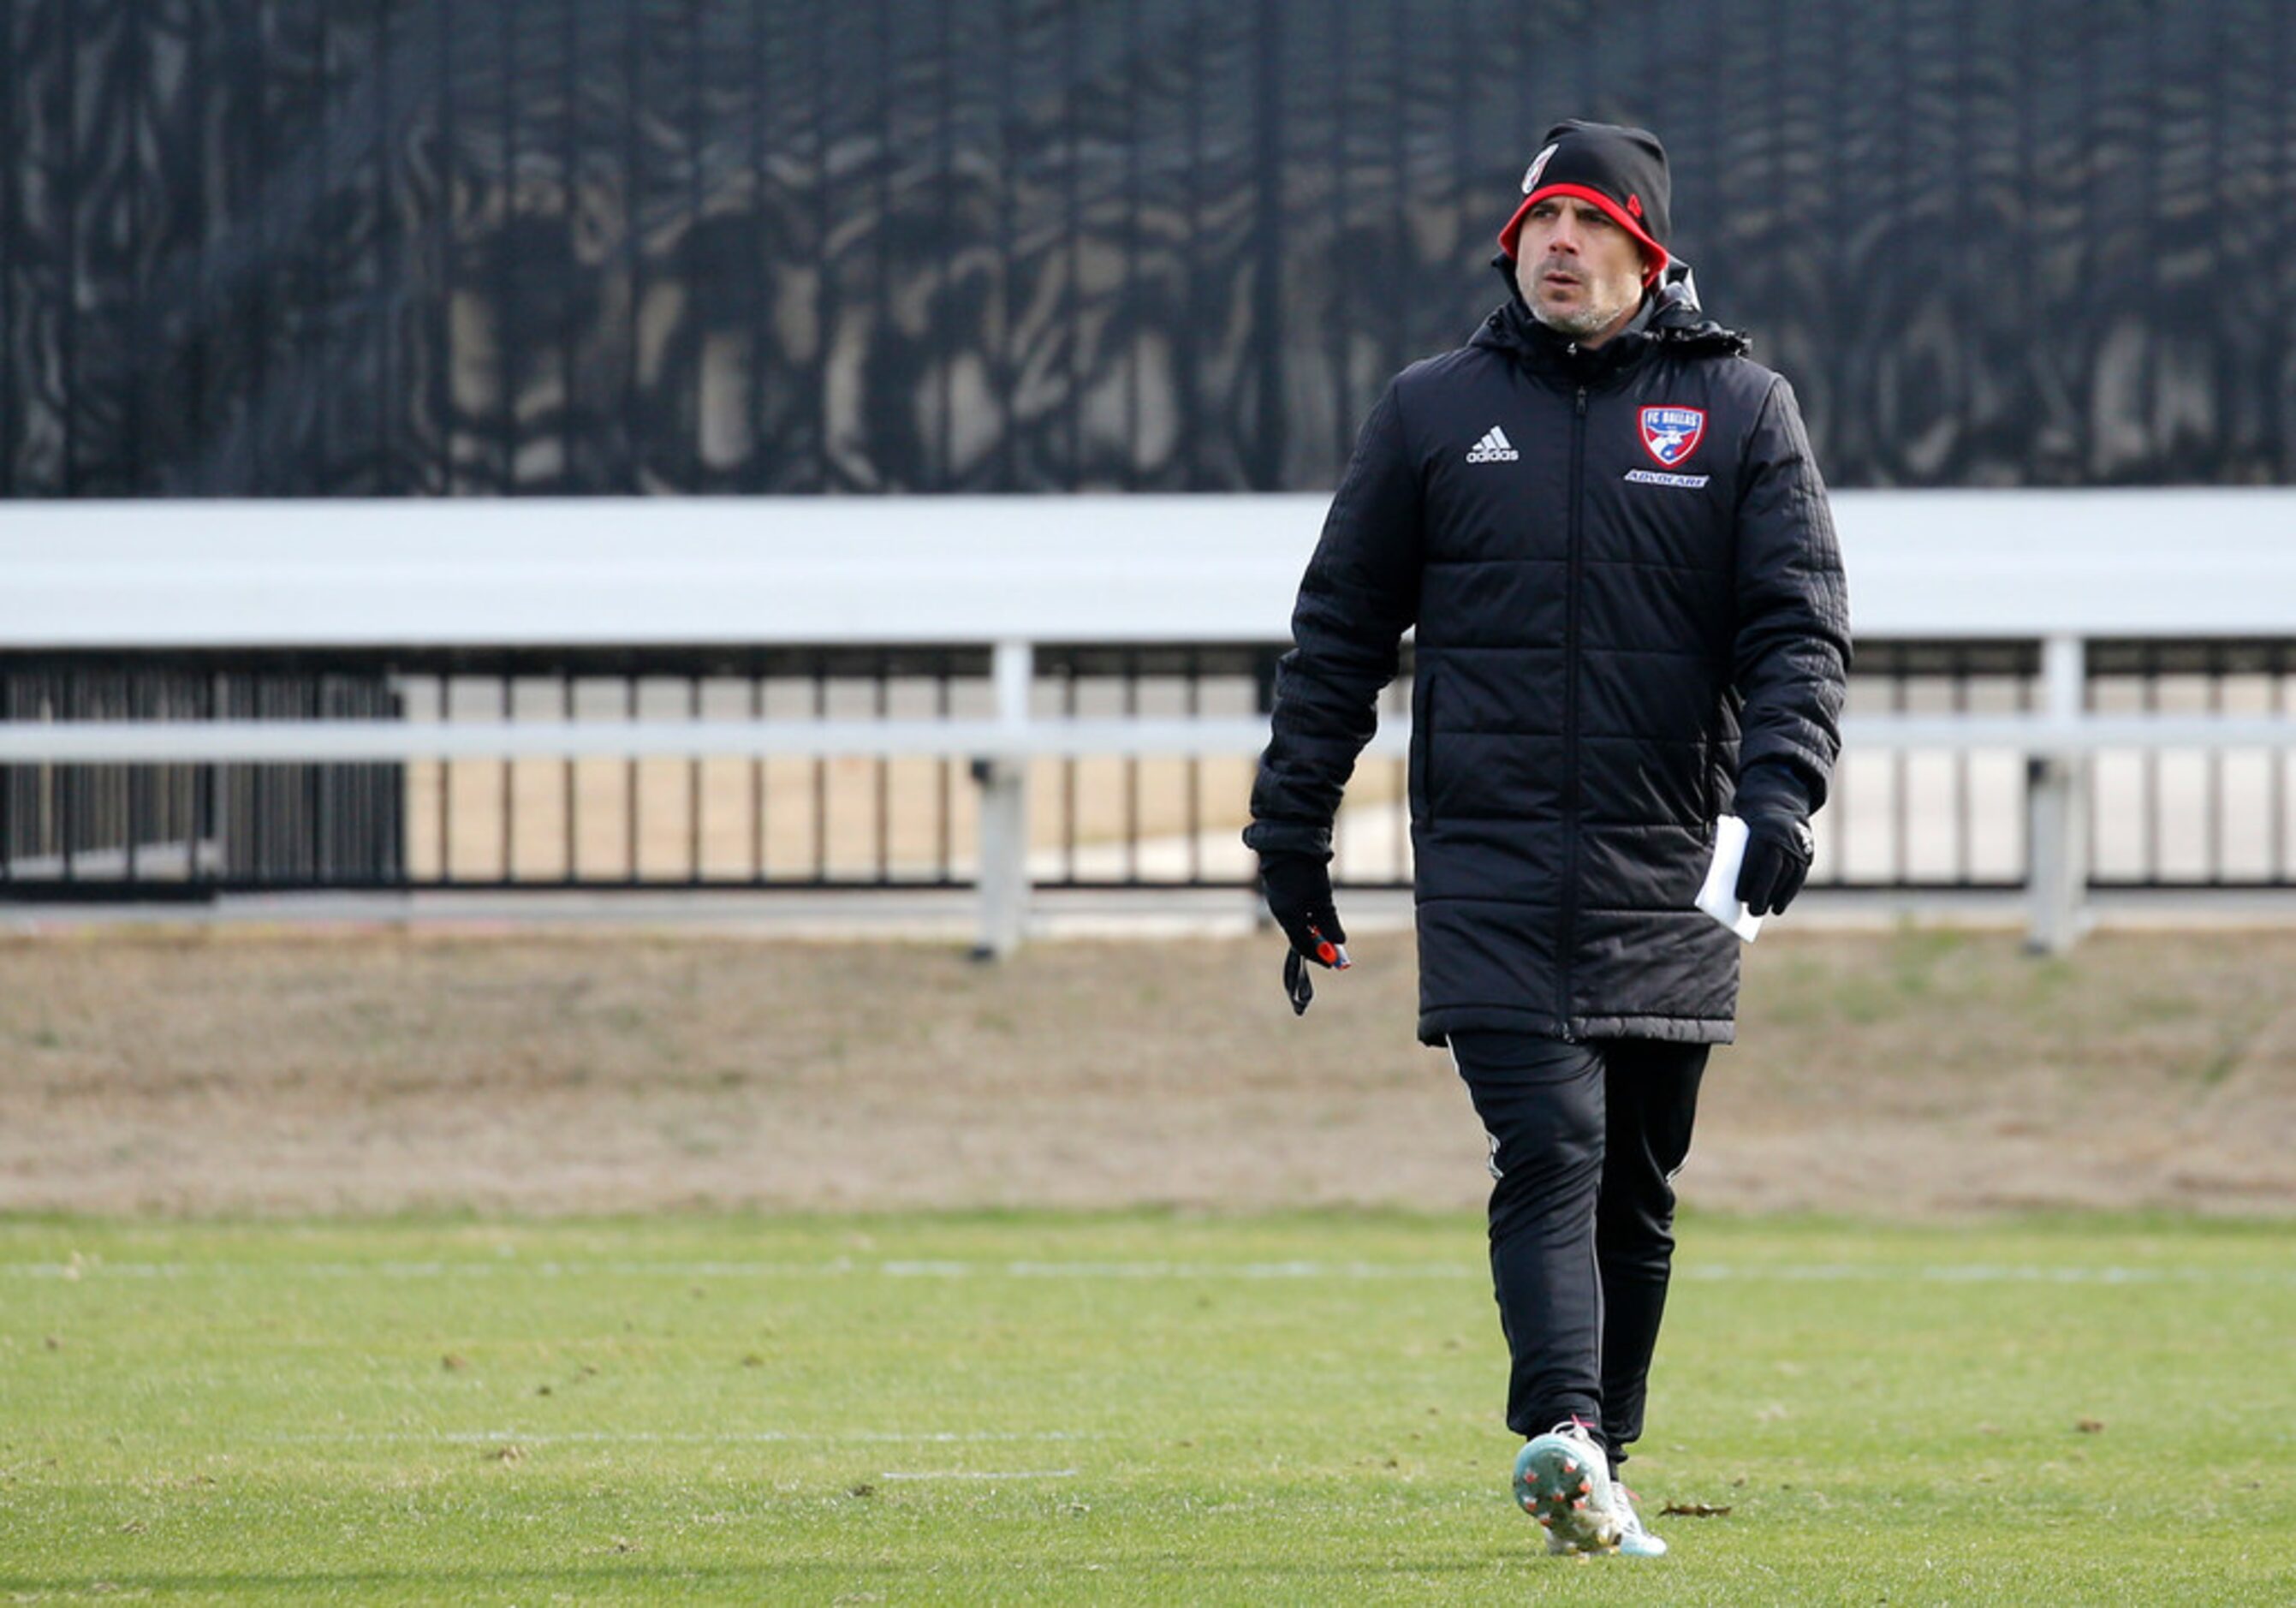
x=2060, y=567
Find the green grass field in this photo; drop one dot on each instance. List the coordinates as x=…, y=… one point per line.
x=1137, y=1408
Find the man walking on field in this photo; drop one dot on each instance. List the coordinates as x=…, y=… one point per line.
x=1606, y=526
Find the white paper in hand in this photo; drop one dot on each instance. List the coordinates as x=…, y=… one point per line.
x=1719, y=898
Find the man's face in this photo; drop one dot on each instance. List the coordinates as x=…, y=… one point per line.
x=1579, y=271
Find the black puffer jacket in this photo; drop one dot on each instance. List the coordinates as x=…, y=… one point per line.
x=1626, y=583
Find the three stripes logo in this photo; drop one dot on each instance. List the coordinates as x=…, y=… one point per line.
x=1493, y=448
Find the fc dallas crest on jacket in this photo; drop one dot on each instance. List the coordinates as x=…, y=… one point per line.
x=1671, y=434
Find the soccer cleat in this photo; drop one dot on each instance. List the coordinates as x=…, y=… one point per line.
x=1563, y=1480
x=1634, y=1540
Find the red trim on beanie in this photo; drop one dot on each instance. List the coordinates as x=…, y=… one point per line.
x=1654, y=254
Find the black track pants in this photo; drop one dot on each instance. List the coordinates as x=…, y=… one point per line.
x=1586, y=1139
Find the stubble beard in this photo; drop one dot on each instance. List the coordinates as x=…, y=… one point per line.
x=1591, y=317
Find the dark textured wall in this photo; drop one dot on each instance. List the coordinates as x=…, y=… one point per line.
x=409, y=246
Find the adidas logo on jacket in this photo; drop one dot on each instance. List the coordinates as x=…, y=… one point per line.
x=1493, y=448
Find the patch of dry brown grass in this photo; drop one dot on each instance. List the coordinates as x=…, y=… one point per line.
x=1915, y=1073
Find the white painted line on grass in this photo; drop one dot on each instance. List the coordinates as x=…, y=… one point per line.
x=966, y=1473
x=1983, y=1273
x=1344, y=1272
x=663, y=1438
x=1181, y=1270
x=836, y=1267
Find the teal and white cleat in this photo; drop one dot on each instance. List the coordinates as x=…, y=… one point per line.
x=1634, y=1540
x=1563, y=1480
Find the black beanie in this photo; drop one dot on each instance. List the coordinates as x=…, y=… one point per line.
x=1621, y=171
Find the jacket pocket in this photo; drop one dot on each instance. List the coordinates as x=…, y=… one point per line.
x=1710, y=794
x=1422, y=726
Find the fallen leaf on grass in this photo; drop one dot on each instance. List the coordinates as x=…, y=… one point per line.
x=1694, y=1510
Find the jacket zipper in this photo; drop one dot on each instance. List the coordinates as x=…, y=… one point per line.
x=1569, y=947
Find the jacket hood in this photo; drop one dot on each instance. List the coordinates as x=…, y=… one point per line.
x=1674, y=322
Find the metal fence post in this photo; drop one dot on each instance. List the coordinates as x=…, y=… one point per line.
x=2057, y=804
x=1003, y=781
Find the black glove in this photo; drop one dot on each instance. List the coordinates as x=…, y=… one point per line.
x=1778, y=841
x=1297, y=888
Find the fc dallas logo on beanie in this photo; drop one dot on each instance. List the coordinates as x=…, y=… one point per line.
x=1671, y=434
